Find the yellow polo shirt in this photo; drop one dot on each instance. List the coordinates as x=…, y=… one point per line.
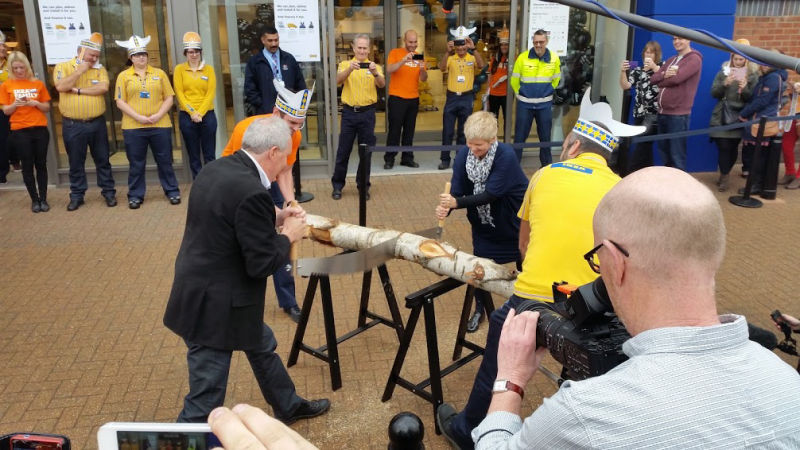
x=359, y=87
x=461, y=72
x=559, y=205
x=195, y=89
x=81, y=107
x=144, y=95
x=4, y=71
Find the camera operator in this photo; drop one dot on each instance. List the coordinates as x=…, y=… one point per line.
x=693, y=377
x=554, y=232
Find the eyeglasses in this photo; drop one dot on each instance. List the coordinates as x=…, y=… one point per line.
x=591, y=256
x=192, y=52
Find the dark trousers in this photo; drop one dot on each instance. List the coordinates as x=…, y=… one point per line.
x=496, y=103
x=362, y=125
x=200, y=138
x=544, y=124
x=160, y=142
x=763, y=169
x=673, y=151
x=282, y=278
x=77, y=136
x=480, y=397
x=728, y=153
x=402, y=117
x=5, y=130
x=31, y=146
x=457, y=107
x=208, y=379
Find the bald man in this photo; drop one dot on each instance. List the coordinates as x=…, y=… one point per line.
x=693, y=377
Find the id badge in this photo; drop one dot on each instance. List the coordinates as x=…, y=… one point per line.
x=204, y=78
x=461, y=78
x=144, y=94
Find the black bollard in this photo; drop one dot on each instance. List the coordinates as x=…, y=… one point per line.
x=769, y=185
x=406, y=432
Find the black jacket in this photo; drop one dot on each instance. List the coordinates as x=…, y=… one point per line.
x=230, y=247
x=258, y=89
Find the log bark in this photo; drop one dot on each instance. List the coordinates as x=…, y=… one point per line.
x=438, y=257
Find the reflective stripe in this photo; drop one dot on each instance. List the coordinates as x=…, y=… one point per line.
x=549, y=98
x=538, y=79
x=514, y=75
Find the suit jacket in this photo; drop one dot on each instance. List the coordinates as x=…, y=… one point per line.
x=230, y=247
x=258, y=88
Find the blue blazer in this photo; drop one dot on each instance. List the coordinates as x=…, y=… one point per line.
x=258, y=88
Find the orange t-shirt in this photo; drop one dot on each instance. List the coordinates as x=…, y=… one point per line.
x=403, y=82
x=235, y=142
x=24, y=116
x=502, y=88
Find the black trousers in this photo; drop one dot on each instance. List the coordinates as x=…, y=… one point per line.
x=208, y=379
x=77, y=136
x=496, y=103
x=728, y=153
x=402, y=118
x=30, y=145
x=642, y=153
x=354, y=124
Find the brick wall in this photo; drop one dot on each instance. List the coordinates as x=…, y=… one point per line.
x=782, y=33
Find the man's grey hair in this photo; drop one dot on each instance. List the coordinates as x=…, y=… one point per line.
x=362, y=36
x=263, y=134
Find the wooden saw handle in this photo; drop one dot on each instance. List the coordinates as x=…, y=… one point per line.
x=446, y=191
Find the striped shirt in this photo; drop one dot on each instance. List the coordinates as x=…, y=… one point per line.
x=144, y=95
x=359, y=87
x=461, y=73
x=195, y=89
x=81, y=107
x=683, y=387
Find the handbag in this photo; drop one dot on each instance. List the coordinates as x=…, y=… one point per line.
x=729, y=116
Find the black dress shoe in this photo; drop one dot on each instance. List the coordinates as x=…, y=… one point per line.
x=413, y=164
x=134, y=203
x=307, y=410
x=44, y=206
x=74, y=204
x=445, y=414
x=474, y=321
x=336, y=194
x=35, y=206
x=293, y=312
x=444, y=165
x=175, y=200
x=111, y=202
x=388, y=165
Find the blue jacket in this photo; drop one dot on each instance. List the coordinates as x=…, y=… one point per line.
x=258, y=89
x=766, y=99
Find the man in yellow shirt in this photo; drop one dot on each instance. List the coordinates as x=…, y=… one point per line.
x=461, y=68
x=361, y=79
x=82, y=83
x=555, y=232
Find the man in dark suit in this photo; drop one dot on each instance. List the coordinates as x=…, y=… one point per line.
x=230, y=247
x=268, y=64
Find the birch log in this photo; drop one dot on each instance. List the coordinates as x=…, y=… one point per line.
x=438, y=257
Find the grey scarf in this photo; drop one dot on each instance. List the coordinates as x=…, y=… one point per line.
x=477, y=172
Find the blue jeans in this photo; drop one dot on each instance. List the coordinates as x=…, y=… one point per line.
x=282, y=278
x=77, y=136
x=480, y=397
x=160, y=142
x=200, y=138
x=673, y=151
x=544, y=125
x=457, y=107
x=361, y=124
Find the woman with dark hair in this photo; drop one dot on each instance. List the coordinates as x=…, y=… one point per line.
x=144, y=95
x=195, y=86
x=25, y=100
x=498, y=76
x=645, y=106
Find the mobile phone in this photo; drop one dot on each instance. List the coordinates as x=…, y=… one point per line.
x=418, y=56
x=25, y=441
x=633, y=64
x=458, y=42
x=739, y=73
x=154, y=436
x=364, y=65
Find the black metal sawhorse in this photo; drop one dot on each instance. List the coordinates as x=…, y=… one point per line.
x=330, y=351
x=420, y=301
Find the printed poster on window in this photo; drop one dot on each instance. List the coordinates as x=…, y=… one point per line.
x=297, y=22
x=550, y=17
x=64, y=23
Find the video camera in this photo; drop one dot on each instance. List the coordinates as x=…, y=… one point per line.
x=580, y=329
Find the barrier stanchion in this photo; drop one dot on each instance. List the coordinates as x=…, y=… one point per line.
x=363, y=167
x=745, y=200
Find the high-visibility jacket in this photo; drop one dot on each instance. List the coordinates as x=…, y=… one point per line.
x=534, y=79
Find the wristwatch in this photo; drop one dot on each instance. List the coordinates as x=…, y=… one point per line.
x=505, y=386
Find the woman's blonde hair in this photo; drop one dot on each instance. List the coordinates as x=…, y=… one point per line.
x=481, y=125
x=19, y=57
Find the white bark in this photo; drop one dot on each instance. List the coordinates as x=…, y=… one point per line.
x=438, y=257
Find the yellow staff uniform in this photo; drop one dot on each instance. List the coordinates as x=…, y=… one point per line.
x=461, y=73
x=81, y=107
x=195, y=89
x=4, y=71
x=144, y=95
x=359, y=87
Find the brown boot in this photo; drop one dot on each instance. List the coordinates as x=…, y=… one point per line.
x=723, y=183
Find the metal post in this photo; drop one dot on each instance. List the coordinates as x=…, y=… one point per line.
x=745, y=200
x=364, y=183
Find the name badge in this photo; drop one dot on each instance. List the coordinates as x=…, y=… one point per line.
x=469, y=63
x=156, y=78
x=461, y=78
x=204, y=78
x=144, y=94
x=95, y=81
